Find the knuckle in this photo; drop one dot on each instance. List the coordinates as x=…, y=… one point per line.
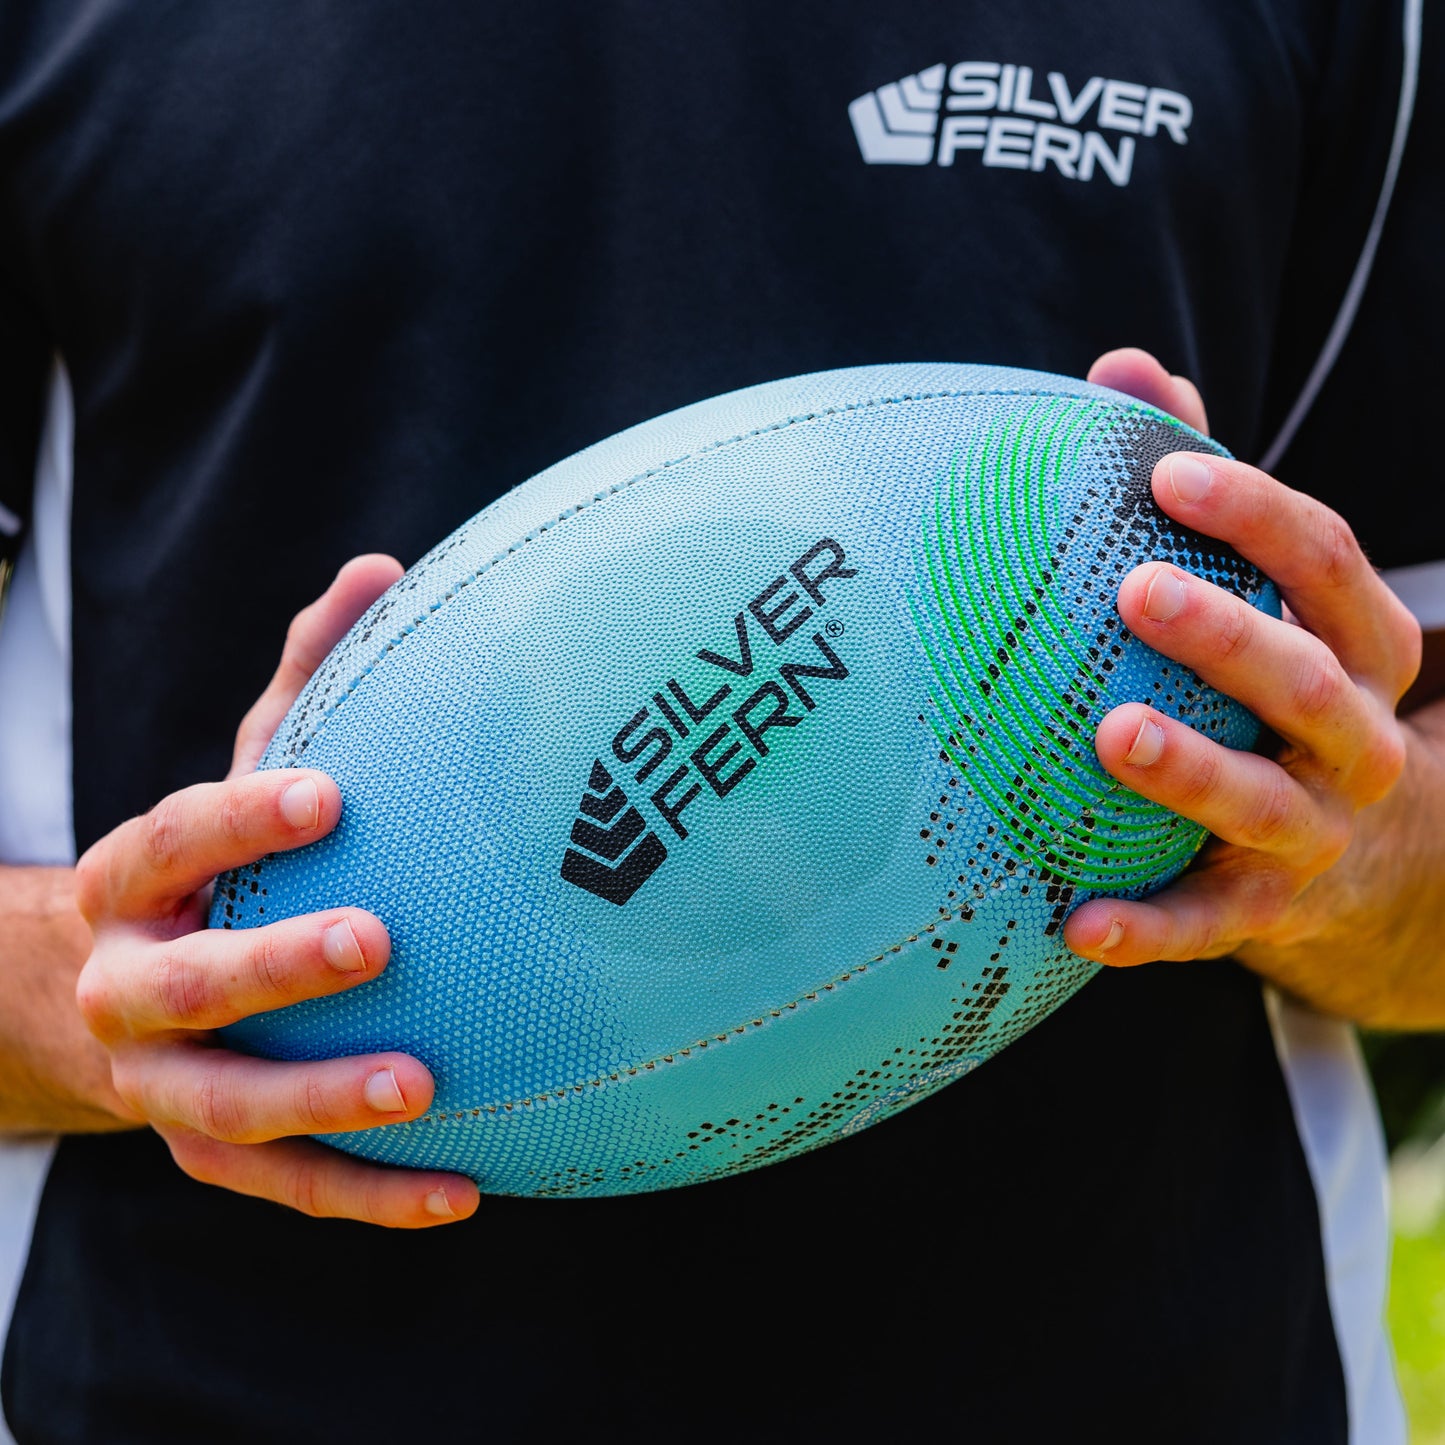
x=1259, y=499
x=1320, y=687
x=127, y=1080
x=94, y=1001
x=1331, y=838
x=303, y=1186
x=1338, y=550
x=1268, y=900
x=92, y=874
x=1409, y=645
x=232, y=816
x=195, y=1156
x=165, y=832
x=181, y=990
x=1391, y=757
x=1381, y=763
x=217, y=1109
x=312, y=1108
x=1200, y=782
x=1272, y=813
x=374, y=1203
x=1183, y=934
x=1200, y=940
x=270, y=966
x=1238, y=626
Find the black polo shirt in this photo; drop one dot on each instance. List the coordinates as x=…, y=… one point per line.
x=328, y=277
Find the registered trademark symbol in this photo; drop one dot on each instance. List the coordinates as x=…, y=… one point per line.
x=834, y=628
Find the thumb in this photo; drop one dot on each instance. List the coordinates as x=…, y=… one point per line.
x=314, y=631
x=1136, y=373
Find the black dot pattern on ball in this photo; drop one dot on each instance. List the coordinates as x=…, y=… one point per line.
x=1019, y=721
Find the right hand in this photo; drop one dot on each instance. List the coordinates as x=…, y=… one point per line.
x=159, y=983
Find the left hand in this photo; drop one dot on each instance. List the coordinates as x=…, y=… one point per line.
x=159, y=984
x=1325, y=680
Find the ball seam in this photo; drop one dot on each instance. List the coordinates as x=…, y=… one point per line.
x=297, y=748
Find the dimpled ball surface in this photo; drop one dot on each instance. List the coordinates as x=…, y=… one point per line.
x=725, y=787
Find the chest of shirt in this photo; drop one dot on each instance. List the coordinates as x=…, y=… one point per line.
x=190, y=182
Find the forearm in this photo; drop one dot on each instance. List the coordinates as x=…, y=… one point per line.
x=1366, y=939
x=54, y=1076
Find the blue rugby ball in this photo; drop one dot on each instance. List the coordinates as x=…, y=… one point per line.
x=726, y=786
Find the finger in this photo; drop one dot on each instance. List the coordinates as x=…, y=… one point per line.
x=1204, y=915
x=150, y=866
x=325, y=1183
x=243, y=1100
x=1240, y=797
x=214, y=977
x=1284, y=675
x=313, y=633
x=1138, y=374
x=1311, y=555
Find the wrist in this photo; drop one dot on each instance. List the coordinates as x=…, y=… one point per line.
x=54, y=1074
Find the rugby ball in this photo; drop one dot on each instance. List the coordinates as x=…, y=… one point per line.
x=726, y=786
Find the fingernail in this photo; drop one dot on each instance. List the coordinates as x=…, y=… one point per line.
x=1147, y=745
x=383, y=1093
x=438, y=1204
x=301, y=804
x=1164, y=595
x=1189, y=476
x=341, y=949
x=1116, y=932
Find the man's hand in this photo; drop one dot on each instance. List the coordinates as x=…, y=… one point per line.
x=1312, y=857
x=159, y=983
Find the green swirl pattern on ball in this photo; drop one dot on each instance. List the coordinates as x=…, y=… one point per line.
x=997, y=560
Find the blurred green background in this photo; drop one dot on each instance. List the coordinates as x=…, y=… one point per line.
x=1409, y=1075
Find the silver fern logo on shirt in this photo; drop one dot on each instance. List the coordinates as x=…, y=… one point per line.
x=1010, y=119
